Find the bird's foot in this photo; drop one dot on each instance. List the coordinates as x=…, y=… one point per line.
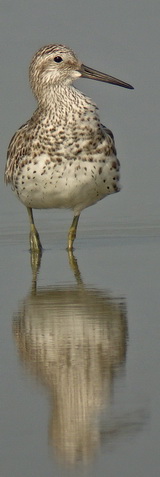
x=72, y=232
x=71, y=238
x=36, y=251
x=35, y=243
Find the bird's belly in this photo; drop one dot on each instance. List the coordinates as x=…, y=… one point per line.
x=70, y=184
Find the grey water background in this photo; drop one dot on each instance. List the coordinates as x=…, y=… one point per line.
x=79, y=359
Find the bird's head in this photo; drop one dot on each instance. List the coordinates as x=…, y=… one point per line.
x=53, y=65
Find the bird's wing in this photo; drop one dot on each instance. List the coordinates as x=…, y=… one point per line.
x=111, y=140
x=17, y=149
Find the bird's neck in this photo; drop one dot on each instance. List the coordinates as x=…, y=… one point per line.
x=66, y=104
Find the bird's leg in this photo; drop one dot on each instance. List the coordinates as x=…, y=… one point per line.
x=72, y=232
x=35, y=244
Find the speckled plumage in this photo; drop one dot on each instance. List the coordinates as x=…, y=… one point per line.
x=63, y=157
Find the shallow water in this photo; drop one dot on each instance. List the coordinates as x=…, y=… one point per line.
x=79, y=354
x=79, y=342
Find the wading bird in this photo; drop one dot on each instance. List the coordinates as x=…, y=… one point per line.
x=63, y=157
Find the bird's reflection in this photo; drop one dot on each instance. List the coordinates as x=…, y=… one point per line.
x=73, y=338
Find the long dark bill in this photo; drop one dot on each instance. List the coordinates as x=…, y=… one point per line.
x=90, y=73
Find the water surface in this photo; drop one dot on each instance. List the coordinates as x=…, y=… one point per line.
x=79, y=342
x=79, y=355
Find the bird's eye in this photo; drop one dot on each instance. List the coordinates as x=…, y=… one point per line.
x=58, y=59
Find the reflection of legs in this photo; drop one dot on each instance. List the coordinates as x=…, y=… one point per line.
x=74, y=267
x=72, y=232
x=35, y=244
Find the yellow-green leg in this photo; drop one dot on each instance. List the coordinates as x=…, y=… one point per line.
x=72, y=232
x=35, y=243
